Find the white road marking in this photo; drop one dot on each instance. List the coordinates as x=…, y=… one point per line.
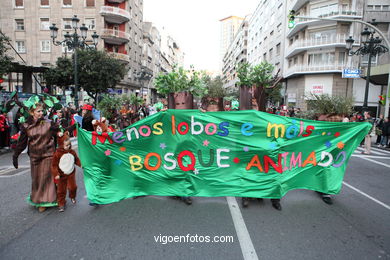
x=366, y=195
x=375, y=151
x=380, y=163
x=247, y=248
x=17, y=174
x=370, y=156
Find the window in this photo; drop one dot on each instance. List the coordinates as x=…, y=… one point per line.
x=270, y=53
x=45, y=24
x=67, y=22
x=341, y=57
x=44, y=2
x=67, y=3
x=374, y=59
x=278, y=49
x=264, y=56
x=45, y=46
x=20, y=47
x=321, y=58
x=385, y=7
x=90, y=23
x=19, y=4
x=90, y=3
x=19, y=24
x=65, y=48
x=370, y=7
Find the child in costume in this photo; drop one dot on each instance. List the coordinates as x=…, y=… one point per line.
x=63, y=170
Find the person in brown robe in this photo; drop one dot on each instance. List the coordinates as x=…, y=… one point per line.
x=38, y=133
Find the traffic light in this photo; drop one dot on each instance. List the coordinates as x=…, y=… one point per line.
x=382, y=100
x=291, y=19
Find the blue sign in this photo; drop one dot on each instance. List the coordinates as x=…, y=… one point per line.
x=351, y=73
x=114, y=91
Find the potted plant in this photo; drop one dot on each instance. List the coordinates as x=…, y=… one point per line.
x=256, y=83
x=180, y=86
x=213, y=100
x=329, y=108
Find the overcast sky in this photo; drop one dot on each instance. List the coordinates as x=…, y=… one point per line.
x=195, y=26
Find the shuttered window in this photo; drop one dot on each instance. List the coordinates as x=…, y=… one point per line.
x=90, y=3
x=19, y=3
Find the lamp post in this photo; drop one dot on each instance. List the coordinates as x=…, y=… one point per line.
x=73, y=42
x=144, y=75
x=371, y=47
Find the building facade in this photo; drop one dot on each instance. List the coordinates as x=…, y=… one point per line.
x=316, y=51
x=229, y=27
x=380, y=67
x=119, y=23
x=235, y=55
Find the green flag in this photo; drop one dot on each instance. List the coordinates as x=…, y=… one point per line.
x=237, y=153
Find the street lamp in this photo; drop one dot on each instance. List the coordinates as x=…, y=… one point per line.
x=73, y=42
x=144, y=75
x=371, y=47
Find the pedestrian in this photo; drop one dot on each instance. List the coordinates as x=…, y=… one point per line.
x=64, y=171
x=4, y=129
x=385, y=133
x=367, y=138
x=87, y=115
x=378, y=129
x=38, y=134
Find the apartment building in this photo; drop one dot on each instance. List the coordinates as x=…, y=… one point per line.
x=117, y=22
x=228, y=29
x=316, y=52
x=380, y=65
x=151, y=62
x=171, y=54
x=266, y=34
x=235, y=55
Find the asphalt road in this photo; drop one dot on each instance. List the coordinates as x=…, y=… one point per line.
x=356, y=226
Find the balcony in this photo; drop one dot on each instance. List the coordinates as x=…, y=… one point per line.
x=116, y=1
x=317, y=69
x=114, y=15
x=115, y=37
x=120, y=56
x=301, y=23
x=336, y=40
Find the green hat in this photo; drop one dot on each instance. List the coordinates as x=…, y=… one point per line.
x=57, y=106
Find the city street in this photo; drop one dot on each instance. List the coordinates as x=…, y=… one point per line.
x=356, y=226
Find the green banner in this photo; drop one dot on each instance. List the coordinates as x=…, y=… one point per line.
x=235, y=153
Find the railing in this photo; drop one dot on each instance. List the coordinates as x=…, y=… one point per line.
x=120, y=56
x=330, y=13
x=115, y=11
x=331, y=67
x=116, y=1
x=109, y=33
x=333, y=39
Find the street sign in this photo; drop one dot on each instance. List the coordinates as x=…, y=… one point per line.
x=351, y=73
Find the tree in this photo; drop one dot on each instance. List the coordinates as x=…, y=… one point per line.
x=262, y=78
x=97, y=72
x=264, y=84
x=61, y=75
x=215, y=87
x=5, y=60
x=179, y=80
